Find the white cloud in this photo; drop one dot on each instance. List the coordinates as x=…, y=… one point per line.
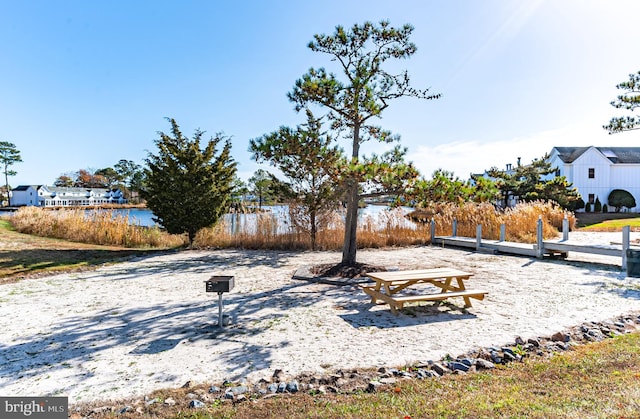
x=469, y=156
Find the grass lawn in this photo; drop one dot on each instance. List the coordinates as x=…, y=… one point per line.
x=597, y=380
x=23, y=255
x=608, y=222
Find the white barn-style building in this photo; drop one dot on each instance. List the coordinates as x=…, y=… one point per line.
x=596, y=171
x=51, y=196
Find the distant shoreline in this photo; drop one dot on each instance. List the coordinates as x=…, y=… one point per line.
x=90, y=207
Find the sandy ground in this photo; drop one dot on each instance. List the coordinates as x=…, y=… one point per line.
x=127, y=329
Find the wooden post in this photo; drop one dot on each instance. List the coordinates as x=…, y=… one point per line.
x=625, y=246
x=433, y=230
x=503, y=232
x=540, y=251
x=478, y=236
x=565, y=228
x=454, y=230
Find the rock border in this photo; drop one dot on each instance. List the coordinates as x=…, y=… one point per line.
x=371, y=380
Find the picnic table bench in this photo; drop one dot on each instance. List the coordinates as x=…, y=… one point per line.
x=389, y=284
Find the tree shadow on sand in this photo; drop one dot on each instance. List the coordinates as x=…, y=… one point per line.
x=152, y=329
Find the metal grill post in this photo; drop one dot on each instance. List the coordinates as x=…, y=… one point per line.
x=220, y=310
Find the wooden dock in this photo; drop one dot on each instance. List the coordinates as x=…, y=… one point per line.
x=551, y=248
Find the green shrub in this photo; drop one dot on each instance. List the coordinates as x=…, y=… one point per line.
x=597, y=207
x=619, y=198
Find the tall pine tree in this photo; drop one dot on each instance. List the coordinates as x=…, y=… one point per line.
x=365, y=91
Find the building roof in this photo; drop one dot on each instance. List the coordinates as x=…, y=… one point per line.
x=623, y=155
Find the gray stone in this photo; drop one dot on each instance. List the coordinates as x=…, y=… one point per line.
x=441, y=370
x=292, y=387
x=467, y=361
x=509, y=356
x=272, y=388
x=282, y=387
x=196, y=404
x=458, y=366
x=423, y=373
x=214, y=389
x=484, y=364
x=238, y=390
x=170, y=401
x=496, y=358
x=509, y=351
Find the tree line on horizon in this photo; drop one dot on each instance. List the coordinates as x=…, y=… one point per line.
x=189, y=183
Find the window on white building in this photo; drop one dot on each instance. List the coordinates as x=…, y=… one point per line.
x=592, y=173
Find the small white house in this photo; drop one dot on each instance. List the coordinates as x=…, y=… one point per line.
x=46, y=196
x=26, y=195
x=596, y=171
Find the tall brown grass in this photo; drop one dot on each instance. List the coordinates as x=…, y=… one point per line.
x=388, y=228
x=96, y=227
x=520, y=221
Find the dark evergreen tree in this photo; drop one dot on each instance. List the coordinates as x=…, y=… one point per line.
x=188, y=187
x=597, y=206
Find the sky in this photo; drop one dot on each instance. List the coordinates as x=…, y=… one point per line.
x=84, y=84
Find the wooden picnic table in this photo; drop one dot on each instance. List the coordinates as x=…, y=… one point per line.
x=389, y=284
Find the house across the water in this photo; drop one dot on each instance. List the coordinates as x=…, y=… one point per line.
x=52, y=196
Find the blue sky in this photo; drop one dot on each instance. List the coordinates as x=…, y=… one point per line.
x=84, y=84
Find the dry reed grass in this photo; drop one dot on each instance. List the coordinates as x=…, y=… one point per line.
x=388, y=228
x=96, y=227
x=520, y=221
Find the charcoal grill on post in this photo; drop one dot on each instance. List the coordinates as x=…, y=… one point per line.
x=220, y=284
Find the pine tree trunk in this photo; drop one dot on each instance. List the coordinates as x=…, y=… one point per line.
x=351, y=222
x=351, y=226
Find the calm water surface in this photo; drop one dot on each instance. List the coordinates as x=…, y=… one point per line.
x=144, y=217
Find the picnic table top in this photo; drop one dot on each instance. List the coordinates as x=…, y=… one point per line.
x=419, y=274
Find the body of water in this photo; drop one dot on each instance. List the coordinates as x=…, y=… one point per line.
x=144, y=217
